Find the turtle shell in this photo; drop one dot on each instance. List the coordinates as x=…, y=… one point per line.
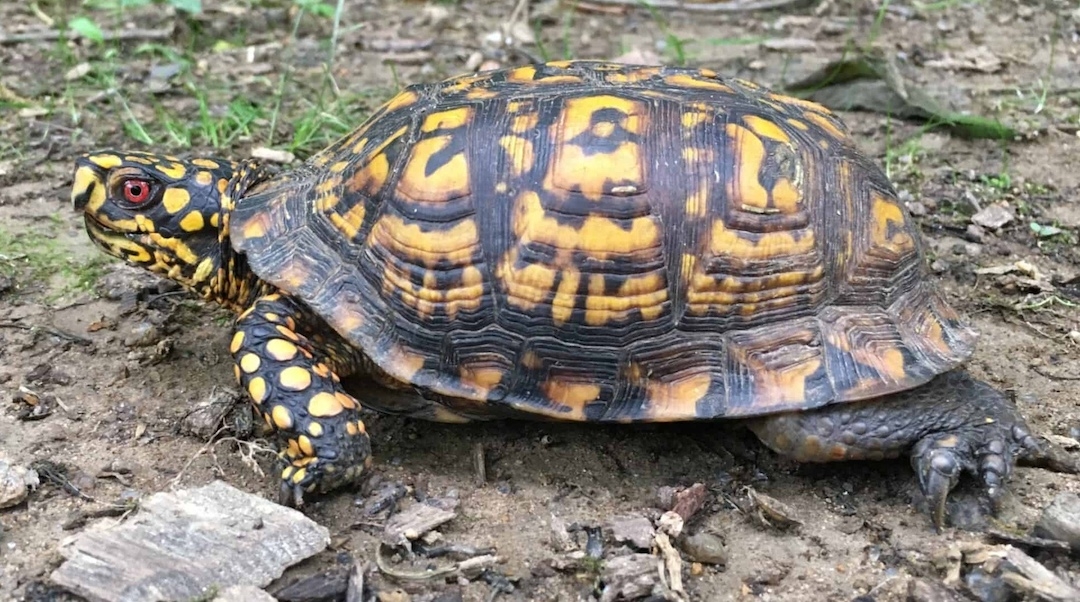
x=605, y=242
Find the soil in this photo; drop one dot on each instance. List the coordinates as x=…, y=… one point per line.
x=125, y=358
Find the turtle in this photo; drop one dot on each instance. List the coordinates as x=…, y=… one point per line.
x=581, y=241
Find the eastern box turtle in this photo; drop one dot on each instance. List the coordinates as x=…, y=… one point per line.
x=578, y=241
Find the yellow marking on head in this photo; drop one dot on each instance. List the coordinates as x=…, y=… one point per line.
x=573, y=395
x=748, y=153
x=825, y=124
x=449, y=181
x=766, y=129
x=295, y=378
x=324, y=405
x=315, y=429
x=281, y=350
x=204, y=178
x=207, y=163
x=182, y=251
x=192, y=222
x=281, y=416
x=257, y=389
x=85, y=177
x=345, y=400
x=677, y=399
x=222, y=184
x=175, y=199
x=144, y=223
x=138, y=159
x=450, y=119
x=520, y=153
x=688, y=81
x=106, y=161
x=175, y=171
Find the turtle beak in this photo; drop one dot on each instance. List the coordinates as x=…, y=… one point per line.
x=88, y=189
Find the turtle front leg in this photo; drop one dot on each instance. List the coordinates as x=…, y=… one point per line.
x=951, y=425
x=296, y=387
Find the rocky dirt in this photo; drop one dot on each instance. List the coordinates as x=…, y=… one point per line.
x=101, y=367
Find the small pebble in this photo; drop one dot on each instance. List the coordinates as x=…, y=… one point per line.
x=1061, y=520
x=634, y=529
x=704, y=548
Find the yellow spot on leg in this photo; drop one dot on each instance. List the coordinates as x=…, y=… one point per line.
x=282, y=417
x=257, y=389
x=250, y=363
x=237, y=341
x=295, y=378
x=305, y=446
x=281, y=350
x=324, y=405
x=315, y=429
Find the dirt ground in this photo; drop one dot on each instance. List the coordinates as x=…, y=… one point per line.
x=123, y=359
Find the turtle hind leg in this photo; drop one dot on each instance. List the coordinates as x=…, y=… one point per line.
x=952, y=425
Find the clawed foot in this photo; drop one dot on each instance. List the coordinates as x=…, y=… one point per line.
x=988, y=452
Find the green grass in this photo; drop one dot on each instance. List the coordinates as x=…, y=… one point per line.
x=34, y=257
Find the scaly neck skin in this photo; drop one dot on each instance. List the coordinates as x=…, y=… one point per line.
x=235, y=286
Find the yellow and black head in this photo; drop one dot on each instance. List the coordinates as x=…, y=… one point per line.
x=161, y=213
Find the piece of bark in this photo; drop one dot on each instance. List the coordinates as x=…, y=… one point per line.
x=180, y=545
x=412, y=522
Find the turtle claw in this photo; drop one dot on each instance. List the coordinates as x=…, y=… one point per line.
x=939, y=463
x=291, y=495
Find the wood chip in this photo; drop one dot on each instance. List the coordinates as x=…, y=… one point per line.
x=180, y=544
x=418, y=519
x=272, y=155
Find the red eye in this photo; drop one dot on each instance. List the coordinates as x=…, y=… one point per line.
x=136, y=191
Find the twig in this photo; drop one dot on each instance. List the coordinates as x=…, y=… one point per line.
x=1039, y=370
x=734, y=6
x=56, y=333
x=51, y=35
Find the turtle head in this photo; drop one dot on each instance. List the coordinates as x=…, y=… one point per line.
x=164, y=214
